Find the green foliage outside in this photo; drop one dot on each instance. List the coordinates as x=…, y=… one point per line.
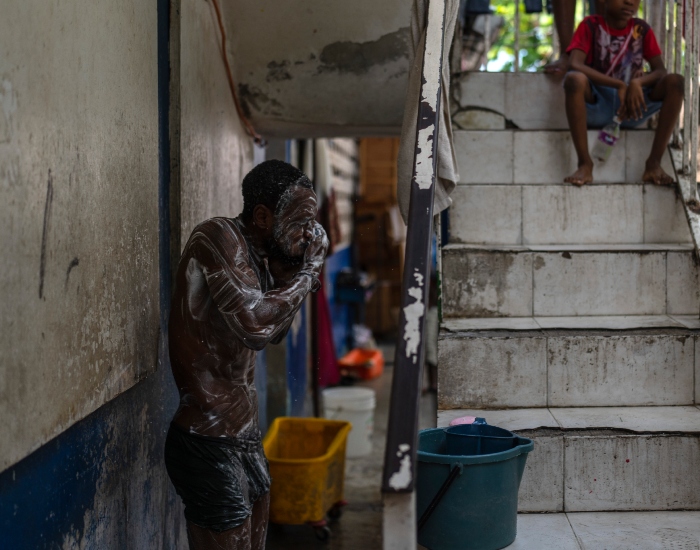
x=536, y=34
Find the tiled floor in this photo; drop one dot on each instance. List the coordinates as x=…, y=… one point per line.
x=360, y=527
x=609, y=531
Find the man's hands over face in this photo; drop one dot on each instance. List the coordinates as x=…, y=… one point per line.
x=316, y=251
x=314, y=257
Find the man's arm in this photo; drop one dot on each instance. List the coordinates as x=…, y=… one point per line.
x=254, y=317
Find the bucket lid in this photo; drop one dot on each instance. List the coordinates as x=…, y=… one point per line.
x=463, y=420
x=353, y=399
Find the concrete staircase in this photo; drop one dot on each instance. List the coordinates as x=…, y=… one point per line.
x=571, y=315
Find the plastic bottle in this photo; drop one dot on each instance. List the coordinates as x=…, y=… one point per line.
x=607, y=138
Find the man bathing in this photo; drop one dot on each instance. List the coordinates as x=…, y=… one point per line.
x=606, y=79
x=239, y=284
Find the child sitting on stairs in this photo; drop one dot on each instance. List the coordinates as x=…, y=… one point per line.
x=606, y=79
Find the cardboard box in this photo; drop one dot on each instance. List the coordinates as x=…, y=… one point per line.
x=382, y=315
x=378, y=169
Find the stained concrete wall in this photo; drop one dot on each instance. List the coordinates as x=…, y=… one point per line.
x=101, y=484
x=216, y=153
x=86, y=392
x=79, y=203
x=313, y=69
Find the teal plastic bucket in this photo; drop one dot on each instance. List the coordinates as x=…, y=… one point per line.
x=479, y=509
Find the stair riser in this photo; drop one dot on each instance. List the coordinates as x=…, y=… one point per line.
x=518, y=157
x=511, y=94
x=560, y=370
x=522, y=284
x=582, y=473
x=563, y=214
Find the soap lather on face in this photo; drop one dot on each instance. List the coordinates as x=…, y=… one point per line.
x=295, y=226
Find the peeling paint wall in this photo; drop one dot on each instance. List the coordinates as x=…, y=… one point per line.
x=85, y=402
x=313, y=69
x=216, y=152
x=79, y=202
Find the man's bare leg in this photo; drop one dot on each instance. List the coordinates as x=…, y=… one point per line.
x=564, y=13
x=259, y=519
x=669, y=90
x=578, y=91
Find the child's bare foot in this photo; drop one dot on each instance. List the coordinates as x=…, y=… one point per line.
x=655, y=174
x=582, y=176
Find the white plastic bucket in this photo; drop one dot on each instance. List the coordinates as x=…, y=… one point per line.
x=354, y=405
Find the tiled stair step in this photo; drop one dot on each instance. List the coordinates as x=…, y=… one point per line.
x=604, y=459
x=545, y=157
x=569, y=280
x=569, y=362
x=563, y=213
x=530, y=101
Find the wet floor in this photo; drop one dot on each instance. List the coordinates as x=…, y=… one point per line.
x=360, y=527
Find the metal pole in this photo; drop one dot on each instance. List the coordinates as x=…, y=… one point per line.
x=688, y=71
x=679, y=38
x=487, y=38
x=692, y=102
x=400, y=457
x=677, y=49
x=663, y=36
x=516, y=41
x=669, y=46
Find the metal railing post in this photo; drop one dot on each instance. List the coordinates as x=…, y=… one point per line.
x=686, y=19
x=516, y=36
x=400, y=457
x=692, y=102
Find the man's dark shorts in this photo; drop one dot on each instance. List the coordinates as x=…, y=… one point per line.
x=219, y=479
x=606, y=102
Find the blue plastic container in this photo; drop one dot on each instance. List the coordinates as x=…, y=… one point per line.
x=479, y=509
x=476, y=440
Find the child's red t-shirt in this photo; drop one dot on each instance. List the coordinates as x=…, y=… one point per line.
x=602, y=44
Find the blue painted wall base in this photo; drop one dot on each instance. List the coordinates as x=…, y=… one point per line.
x=102, y=483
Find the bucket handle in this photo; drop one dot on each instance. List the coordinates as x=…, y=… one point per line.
x=454, y=472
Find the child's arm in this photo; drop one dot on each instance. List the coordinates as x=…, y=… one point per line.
x=635, y=95
x=577, y=62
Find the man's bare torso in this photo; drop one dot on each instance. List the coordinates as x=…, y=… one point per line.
x=212, y=365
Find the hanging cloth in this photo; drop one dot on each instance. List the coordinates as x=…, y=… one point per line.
x=447, y=175
x=328, y=371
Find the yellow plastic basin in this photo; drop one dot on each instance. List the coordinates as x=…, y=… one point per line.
x=307, y=466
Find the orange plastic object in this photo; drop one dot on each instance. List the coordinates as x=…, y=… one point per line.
x=364, y=363
x=307, y=466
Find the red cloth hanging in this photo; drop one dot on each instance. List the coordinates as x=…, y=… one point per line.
x=328, y=371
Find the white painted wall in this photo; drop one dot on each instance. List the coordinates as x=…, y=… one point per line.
x=78, y=200
x=79, y=188
x=216, y=152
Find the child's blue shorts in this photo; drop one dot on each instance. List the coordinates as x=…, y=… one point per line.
x=606, y=102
